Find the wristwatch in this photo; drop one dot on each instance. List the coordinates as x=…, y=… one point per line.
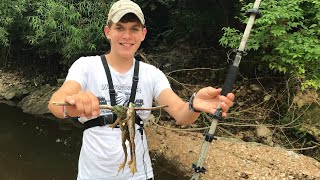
x=191, y=103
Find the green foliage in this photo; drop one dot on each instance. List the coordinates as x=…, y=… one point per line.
x=287, y=36
x=53, y=28
x=10, y=11
x=67, y=28
x=50, y=29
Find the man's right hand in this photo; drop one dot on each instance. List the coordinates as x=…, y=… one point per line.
x=85, y=104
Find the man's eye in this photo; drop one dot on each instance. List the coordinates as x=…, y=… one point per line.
x=135, y=29
x=119, y=28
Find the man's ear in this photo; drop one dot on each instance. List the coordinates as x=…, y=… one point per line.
x=106, y=30
x=144, y=31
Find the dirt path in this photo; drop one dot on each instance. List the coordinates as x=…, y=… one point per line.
x=230, y=159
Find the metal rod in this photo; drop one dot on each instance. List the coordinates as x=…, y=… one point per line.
x=227, y=87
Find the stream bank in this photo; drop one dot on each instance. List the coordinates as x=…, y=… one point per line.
x=227, y=158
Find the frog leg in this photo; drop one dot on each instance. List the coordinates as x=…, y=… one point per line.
x=132, y=162
x=118, y=121
x=125, y=135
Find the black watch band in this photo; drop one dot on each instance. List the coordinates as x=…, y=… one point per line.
x=191, y=103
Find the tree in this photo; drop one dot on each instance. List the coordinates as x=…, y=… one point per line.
x=11, y=11
x=69, y=28
x=286, y=37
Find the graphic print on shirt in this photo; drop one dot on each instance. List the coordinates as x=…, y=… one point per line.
x=122, y=96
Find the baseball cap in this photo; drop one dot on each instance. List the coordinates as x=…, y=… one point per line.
x=123, y=7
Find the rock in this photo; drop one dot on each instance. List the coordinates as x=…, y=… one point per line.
x=311, y=123
x=13, y=90
x=255, y=87
x=10, y=103
x=263, y=131
x=306, y=97
x=10, y=94
x=293, y=154
x=37, y=101
x=313, y=130
x=264, y=134
x=241, y=92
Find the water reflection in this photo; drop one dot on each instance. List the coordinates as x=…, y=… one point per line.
x=35, y=148
x=32, y=148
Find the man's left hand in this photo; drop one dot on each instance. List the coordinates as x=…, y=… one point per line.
x=208, y=98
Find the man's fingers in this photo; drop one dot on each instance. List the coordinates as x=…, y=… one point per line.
x=80, y=107
x=95, y=110
x=71, y=110
x=213, y=92
x=227, y=100
x=85, y=104
x=87, y=107
x=224, y=107
x=70, y=100
x=224, y=114
x=231, y=96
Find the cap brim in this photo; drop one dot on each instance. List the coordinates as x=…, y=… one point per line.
x=116, y=18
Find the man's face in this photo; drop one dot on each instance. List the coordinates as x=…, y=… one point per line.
x=125, y=38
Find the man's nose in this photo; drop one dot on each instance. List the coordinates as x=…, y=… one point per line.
x=127, y=34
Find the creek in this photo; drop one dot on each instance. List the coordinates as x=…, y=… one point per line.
x=37, y=148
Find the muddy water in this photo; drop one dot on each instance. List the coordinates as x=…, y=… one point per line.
x=35, y=148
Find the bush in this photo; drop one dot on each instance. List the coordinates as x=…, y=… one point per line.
x=286, y=37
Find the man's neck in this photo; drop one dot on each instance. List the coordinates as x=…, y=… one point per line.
x=121, y=65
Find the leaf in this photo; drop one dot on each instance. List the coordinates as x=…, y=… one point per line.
x=267, y=97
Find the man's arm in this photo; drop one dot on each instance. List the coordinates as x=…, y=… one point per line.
x=85, y=104
x=206, y=100
x=177, y=108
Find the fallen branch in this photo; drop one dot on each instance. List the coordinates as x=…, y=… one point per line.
x=303, y=149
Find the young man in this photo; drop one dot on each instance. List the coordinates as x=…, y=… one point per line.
x=87, y=86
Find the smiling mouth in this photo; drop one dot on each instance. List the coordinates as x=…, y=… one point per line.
x=126, y=44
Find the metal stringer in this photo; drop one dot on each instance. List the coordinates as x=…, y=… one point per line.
x=227, y=87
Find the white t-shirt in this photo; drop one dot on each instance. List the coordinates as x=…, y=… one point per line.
x=101, y=152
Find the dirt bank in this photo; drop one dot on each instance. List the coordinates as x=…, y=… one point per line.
x=232, y=159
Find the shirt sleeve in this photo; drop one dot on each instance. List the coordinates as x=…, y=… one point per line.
x=160, y=83
x=79, y=72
